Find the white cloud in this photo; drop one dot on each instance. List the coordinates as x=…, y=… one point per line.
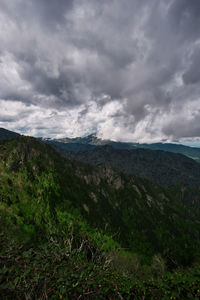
x=128, y=69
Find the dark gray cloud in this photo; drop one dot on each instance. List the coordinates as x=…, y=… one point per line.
x=184, y=128
x=185, y=18
x=127, y=68
x=52, y=11
x=192, y=74
x=49, y=13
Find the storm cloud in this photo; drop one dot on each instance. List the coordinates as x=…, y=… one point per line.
x=128, y=69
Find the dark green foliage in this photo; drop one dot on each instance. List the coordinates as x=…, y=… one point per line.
x=50, y=271
x=75, y=147
x=165, y=168
x=63, y=222
x=86, y=143
x=145, y=218
x=7, y=134
x=191, y=152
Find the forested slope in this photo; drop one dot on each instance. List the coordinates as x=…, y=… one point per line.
x=66, y=215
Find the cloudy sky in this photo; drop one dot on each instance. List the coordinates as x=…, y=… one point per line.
x=128, y=69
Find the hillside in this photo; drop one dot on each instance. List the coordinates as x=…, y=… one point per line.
x=81, y=215
x=163, y=167
x=7, y=134
x=74, y=147
x=93, y=140
x=191, y=152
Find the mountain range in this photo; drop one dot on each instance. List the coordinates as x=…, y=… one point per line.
x=93, y=140
x=125, y=204
x=165, y=168
x=69, y=228
x=166, y=164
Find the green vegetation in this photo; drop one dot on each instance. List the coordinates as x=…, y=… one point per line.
x=91, y=141
x=7, y=134
x=69, y=230
x=163, y=167
x=191, y=152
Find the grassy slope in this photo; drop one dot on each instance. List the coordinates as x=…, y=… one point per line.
x=49, y=202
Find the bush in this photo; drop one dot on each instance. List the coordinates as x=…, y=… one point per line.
x=158, y=265
x=127, y=264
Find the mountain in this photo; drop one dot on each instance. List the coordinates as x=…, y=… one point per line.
x=7, y=134
x=64, y=222
x=90, y=140
x=74, y=147
x=191, y=152
x=93, y=140
x=163, y=167
x=100, y=194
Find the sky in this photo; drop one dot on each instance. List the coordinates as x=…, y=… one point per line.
x=126, y=69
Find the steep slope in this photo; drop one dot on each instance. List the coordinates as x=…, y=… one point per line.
x=162, y=167
x=144, y=217
x=7, y=134
x=56, y=218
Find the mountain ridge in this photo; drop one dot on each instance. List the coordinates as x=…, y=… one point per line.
x=71, y=229
x=76, y=144
x=163, y=167
x=7, y=134
x=191, y=152
x=100, y=194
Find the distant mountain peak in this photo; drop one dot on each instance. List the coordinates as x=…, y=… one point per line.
x=90, y=139
x=93, y=134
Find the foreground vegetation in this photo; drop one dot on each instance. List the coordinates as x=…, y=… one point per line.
x=71, y=231
x=53, y=270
